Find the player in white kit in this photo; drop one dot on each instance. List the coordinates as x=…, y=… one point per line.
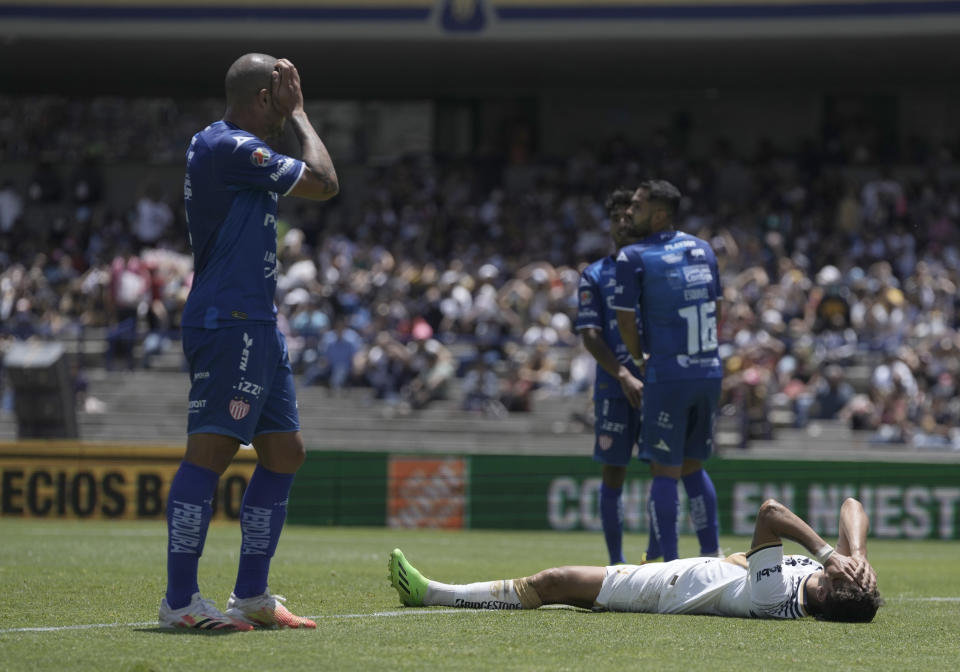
x=840, y=585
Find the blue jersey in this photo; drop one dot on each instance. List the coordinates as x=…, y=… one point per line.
x=671, y=280
x=595, y=309
x=230, y=195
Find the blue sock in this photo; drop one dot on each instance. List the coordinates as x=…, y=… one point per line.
x=611, y=515
x=653, y=545
x=189, y=508
x=664, y=502
x=262, y=514
x=703, y=510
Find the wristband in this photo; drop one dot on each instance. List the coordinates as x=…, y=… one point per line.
x=824, y=553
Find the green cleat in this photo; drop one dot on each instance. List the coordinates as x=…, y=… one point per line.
x=408, y=582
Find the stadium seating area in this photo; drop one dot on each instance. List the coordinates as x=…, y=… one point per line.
x=444, y=287
x=129, y=402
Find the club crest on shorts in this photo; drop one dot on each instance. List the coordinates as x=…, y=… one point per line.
x=604, y=441
x=239, y=409
x=260, y=156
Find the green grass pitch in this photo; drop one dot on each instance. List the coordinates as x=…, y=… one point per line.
x=84, y=596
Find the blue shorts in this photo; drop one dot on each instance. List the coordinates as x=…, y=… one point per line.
x=617, y=426
x=678, y=420
x=241, y=383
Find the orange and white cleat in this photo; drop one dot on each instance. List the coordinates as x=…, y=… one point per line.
x=200, y=614
x=265, y=611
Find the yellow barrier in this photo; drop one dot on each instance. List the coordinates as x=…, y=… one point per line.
x=74, y=479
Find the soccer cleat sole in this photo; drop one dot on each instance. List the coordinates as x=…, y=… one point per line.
x=279, y=617
x=209, y=624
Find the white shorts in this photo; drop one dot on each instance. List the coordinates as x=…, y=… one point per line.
x=771, y=586
x=638, y=588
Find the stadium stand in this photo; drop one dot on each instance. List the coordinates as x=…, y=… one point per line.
x=840, y=262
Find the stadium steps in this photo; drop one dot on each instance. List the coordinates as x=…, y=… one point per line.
x=418, y=422
x=8, y=426
x=729, y=432
x=89, y=353
x=830, y=440
x=148, y=407
x=89, y=349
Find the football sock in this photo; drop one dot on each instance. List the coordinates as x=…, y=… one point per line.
x=189, y=509
x=664, y=502
x=611, y=516
x=262, y=513
x=653, y=544
x=508, y=594
x=703, y=510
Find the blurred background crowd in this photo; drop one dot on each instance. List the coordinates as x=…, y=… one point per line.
x=456, y=276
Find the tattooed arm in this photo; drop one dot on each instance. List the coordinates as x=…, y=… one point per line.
x=319, y=179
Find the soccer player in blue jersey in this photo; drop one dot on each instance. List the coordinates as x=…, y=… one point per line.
x=242, y=386
x=667, y=299
x=617, y=389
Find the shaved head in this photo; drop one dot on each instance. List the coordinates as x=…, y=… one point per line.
x=245, y=78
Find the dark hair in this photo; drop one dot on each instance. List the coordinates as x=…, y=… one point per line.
x=620, y=197
x=664, y=192
x=850, y=604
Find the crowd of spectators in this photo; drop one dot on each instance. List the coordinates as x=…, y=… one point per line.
x=457, y=276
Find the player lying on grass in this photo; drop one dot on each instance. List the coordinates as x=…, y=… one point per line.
x=840, y=585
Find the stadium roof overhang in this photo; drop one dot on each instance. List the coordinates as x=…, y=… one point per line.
x=415, y=48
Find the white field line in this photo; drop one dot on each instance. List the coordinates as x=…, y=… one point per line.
x=41, y=532
x=375, y=614
x=146, y=624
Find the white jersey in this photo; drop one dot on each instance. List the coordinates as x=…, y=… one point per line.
x=769, y=586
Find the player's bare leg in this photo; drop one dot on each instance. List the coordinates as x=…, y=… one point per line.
x=575, y=585
x=211, y=451
x=282, y=452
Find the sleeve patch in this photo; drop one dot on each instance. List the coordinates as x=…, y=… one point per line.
x=260, y=156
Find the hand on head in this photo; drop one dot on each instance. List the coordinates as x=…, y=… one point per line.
x=866, y=575
x=841, y=568
x=855, y=571
x=285, y=88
